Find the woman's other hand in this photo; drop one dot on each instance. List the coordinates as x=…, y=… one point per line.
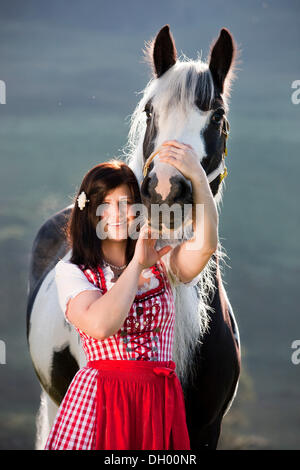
x=145, y=252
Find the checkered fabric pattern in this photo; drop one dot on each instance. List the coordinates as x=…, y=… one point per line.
x=147, y=333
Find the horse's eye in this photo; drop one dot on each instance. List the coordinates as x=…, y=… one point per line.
x=217, y=116
x=148, y=112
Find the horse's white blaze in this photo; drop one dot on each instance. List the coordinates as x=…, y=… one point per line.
x=184, y=128
x=163, y=172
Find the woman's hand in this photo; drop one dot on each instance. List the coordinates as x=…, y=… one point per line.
x=145, y=253
x=183, y=157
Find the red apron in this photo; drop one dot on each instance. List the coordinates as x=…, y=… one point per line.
x=140, y=406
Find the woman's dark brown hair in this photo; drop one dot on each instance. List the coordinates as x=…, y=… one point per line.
x=81, y=228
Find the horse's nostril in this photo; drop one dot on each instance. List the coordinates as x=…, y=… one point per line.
x=181, y=191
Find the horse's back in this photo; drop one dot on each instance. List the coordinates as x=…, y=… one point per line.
x=49, y=245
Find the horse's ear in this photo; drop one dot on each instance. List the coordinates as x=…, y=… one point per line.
x=222, y=55
x=161, y=51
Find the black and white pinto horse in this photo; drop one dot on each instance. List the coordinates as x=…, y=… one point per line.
x=187, y=101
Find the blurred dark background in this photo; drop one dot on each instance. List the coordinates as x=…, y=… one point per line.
x=73, y=70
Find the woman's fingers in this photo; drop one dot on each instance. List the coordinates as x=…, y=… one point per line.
x=163, y=251
x=169, y=155
x=170, y=151
x=171, y=159
x=146, y=232
x=171, y=148
x=176, y=144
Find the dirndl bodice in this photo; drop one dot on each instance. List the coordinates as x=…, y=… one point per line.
x=147, y=332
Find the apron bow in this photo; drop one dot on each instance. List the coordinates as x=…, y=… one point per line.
x=164, y=371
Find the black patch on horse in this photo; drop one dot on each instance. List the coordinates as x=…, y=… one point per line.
x=63, y=369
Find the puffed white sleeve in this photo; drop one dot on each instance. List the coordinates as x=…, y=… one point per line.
x=70, y=281
x=175, y=281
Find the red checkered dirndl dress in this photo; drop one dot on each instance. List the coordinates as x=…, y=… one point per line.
x=128, y=397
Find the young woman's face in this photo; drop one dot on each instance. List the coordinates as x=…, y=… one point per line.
x=116, y=211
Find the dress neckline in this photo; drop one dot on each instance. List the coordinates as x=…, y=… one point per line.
x=144, y=295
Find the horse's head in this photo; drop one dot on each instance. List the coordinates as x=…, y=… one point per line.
x=184, y=101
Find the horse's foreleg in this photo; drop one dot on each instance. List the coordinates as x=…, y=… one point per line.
x=45, y=419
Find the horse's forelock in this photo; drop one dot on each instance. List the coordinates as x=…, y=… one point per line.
x=186, y=84
x=183, y=85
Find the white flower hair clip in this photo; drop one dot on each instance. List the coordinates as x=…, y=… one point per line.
x=82, y=200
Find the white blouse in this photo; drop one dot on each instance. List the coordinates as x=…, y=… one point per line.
x=70, y=280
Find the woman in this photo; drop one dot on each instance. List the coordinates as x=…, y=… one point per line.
x=116, y=291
